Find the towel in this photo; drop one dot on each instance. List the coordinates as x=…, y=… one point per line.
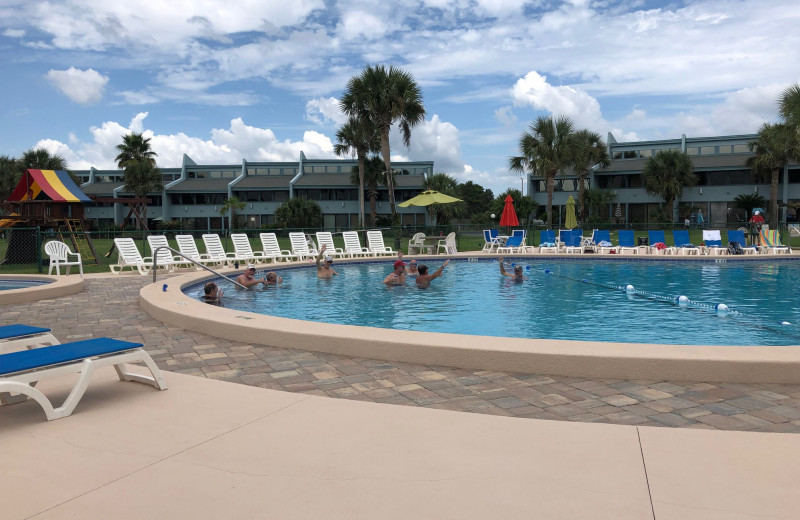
x=604, y=243
x=548, y=244
x=660, y=245
x=711, y=234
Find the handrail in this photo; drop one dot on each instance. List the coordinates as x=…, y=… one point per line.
x=192, y=260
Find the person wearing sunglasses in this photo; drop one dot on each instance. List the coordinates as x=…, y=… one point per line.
x=324, y=269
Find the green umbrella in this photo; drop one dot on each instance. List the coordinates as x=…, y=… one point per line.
x=570, y=222
x=429, y=198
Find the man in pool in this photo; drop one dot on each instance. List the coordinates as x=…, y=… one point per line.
x=424, y=279
x=517, y=276
x=248, y=277
x=212, y=294
x=273, y=278
x=324, y=269
x=398, y=276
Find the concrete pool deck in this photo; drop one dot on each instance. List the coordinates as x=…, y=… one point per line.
x=206, y=449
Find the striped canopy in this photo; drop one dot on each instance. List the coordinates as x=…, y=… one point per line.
x=55, y=185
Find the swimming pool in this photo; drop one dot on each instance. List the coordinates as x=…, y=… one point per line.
x=576, y=300
x=7, y=285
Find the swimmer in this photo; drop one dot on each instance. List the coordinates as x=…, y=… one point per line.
x=211, y=293
x=273, y=279
x=517, y=276
x=248, y=277
x=424, y=279
x=324, y=269
x=398, y=276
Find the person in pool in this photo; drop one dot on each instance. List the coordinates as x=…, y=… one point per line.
x=248, y=277
x=398, y=276
x=212, y=294
x=517, y=276
x=273, y=278
x=324, y=269
x=412, y=265
x=424, y=279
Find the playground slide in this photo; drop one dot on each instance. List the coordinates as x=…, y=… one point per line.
x=6, y=223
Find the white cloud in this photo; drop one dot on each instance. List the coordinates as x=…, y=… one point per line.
x=505, y=116
x=323, y=111
x=14, y=33
x=84, y=87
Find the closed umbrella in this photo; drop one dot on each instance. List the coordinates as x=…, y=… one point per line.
x=429, y=198
x=509, y=216
x=618, y=212
x=570, y=222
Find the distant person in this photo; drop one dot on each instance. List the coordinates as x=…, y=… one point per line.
x=424, y=279
x=248, y=277
x=517, y=275
x=756, y=222
x=273, y=278
x=324, y=269
x=212, y=294
x=412, y=264
x=398, y=276
x=700, y=220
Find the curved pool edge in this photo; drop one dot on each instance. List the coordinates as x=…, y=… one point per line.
x=629, y=361
x=58, y=286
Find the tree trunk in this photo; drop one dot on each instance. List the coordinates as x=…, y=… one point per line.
x=388, y=163
x=362, y=222
x=773, y=199
x=581, y=190
x=551, y=184
x=372, y=209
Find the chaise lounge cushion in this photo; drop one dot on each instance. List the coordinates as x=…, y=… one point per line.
x=61, y=354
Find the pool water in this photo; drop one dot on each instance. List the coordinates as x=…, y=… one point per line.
x=6, y=285
x=575, y=300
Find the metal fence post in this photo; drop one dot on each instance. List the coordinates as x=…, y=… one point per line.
x=39, y=249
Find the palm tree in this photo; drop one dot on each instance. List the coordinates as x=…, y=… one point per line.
x=40, y=159
x=232, y=204
x=775, y=146
x=666, y=174
x=299, y=212
x=748, y=202
x=373, y=177
x=591, y=153
x=9, y=176
x=357, y=137
x=789, y=105
x=135, y=147
x=548, y=148
x=385, y=97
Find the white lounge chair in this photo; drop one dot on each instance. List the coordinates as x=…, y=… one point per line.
x=128, y=256
x=15, y=337
x=352, y=245
x=326, y=238
x=300, y=247
x=215, y=251
x=375, y=244
x=243, y=252
x=449, y=244
x=272, y=250
x=59, y=254
x=188, y=247
x=165, y=256
x=19, y=371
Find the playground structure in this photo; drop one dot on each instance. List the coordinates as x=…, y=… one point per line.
x=51, y=201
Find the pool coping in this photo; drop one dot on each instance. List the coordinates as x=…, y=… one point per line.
x=58, y=286
x=629, y=361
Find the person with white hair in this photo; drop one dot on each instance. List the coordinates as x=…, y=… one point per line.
x=324, y=269
x=756, y=221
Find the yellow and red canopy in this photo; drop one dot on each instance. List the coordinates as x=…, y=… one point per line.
x=55, y=185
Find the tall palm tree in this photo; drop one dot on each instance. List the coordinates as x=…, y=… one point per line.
x=373, y=177
x=666, y=174
x=789, y=105
x=748, y=202
x=357, y=137
x=385, y=97
x=41, y=159
x=9, y=176
x=774, y=146
x=590, y=153
x=232, y=204
x=546, y=149
x=135, y=147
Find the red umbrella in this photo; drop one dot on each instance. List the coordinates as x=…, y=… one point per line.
x=509, y=217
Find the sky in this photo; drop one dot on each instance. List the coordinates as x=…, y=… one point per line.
x=260, y=79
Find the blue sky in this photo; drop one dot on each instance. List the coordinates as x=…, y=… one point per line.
x=260, y=79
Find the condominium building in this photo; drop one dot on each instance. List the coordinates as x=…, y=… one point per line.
x=194, y=193
x=719, y=163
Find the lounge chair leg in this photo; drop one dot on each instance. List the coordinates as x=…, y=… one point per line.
x=157, y=381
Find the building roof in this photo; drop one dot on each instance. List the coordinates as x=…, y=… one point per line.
x=201, y=185
x=102, y=188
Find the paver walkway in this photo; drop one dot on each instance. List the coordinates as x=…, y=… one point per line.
x=110, y=307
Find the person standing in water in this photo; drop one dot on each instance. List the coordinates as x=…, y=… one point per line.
x=424, y=279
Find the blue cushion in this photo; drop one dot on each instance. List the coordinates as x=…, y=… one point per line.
x=14, y=331
x=64, y=353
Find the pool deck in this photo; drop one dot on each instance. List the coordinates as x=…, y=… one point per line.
x=207, y=448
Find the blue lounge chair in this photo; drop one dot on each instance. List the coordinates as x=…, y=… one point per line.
x=547, y=241
x=603, y=236
x=656, y=237
x=489, y=242
x=513, y=245
x=683, y=244
x=626, y=242
x=19, y=371
x=573, y=241
x=12, y=337
x=737, y=235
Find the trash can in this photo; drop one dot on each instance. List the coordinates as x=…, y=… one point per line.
x=643, y=241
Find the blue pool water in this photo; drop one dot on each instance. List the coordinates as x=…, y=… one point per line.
x=6, y=285
x=577, y=300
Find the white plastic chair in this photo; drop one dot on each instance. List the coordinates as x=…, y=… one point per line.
x=59, y=254
x=326, y=238
x=448, y=244
x=165, y=256
x=352, y=245
x=272, y=250
x=216, y=253
x=375, y=244
x=128, y=256
x=243, y=252
x=300, y=247
x=417, y=244
x=188, y=248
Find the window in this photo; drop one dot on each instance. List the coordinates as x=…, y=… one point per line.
x=725, y=149
x=617, y=155
x=708, y=150
x=635, y=181
x=281, y=196
x=738, y=177
x=692, y=150
x=645, y=153
x=629, y=154
x=741, y=148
